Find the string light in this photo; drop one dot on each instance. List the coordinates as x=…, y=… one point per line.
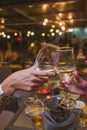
x=63, y=28
x=15, y=34
x=70, y=30
x=32, y=44
x=53, y=26
x=32, y=33
x=46, y=20
x=2, y=20
x=60, y=23
x=44, y=24
x=51, y=30
x=28, y=35
x=8, y=36
x=44, y=6
x=4, y=35
x=60, y=33
x=57, y=31
x=43, y=34
x=53, y=34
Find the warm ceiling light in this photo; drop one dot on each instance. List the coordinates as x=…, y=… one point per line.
x=70, y=16
x=1, y=9
x=30, y=6
x=60, y=33
x=57, y=30
x=32, y=33
x=53, y=5
x=15, y=34
x=32, y=44
x=46, y=20
x=71, y=21
x=51, y=30
x=53, y=26
x=44, y=6
x=28, y=35
x=28, y=32
x=60, y=23
x=63, y=28
x=53, y=34
x=4, y=35
x=8, y=36
x=70, y=30
x=60, y=14
x=58, y=18
x=2, y=20
x=43, y=34
x=2, y=26
x=44, y=23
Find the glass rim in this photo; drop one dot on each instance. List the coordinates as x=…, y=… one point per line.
x=52, y=45
x=65, y=49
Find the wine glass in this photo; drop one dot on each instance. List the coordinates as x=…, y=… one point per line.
x=34, y=109
x=46, y=59
x=65, y=68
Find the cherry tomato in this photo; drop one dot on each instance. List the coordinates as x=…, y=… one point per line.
x=44, y=90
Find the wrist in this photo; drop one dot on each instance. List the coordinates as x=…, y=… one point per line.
x=8, y=85
x=7, y=88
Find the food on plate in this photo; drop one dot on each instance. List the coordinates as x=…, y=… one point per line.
x=80, y=104
x=44, y=90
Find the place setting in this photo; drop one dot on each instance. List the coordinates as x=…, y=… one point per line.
x=54, y=111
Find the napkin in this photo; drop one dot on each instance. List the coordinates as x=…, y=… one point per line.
x=51, y=124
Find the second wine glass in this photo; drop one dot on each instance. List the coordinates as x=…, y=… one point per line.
x=65, y=68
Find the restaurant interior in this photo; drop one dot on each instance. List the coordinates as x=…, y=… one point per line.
x=26, y=25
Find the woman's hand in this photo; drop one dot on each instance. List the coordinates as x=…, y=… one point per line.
x=76, y=85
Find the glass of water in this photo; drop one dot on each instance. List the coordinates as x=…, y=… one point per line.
x=34, y=110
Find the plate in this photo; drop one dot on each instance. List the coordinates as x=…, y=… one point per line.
x=44, y=90
x=79, y=104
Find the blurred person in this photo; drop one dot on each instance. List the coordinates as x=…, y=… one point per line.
x=75, y=44
x=84, y=48
x=76, y=85
x=26, y=80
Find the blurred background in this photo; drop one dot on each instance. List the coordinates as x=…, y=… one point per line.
x=25, y=26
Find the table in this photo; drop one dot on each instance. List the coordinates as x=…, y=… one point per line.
x=23, y=122
x=20, y=121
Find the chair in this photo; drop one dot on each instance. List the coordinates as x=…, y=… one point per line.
x=5, y=72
